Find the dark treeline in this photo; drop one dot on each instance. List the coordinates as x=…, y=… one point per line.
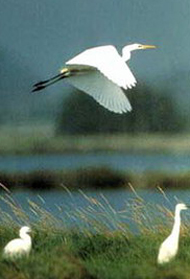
x=153, y=111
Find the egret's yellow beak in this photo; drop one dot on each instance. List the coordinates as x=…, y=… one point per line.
x=147, y=46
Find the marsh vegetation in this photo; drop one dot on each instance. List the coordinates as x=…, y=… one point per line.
x=95, y=251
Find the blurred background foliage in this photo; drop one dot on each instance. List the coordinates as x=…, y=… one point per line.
x=153, y=112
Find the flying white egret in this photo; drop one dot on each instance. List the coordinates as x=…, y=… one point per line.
x=19, y=246
x=168, y=249
x=102, y=73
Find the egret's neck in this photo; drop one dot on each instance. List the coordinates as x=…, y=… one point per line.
x=176, y=226
x=25, y=237
x=126, y=52
x=126, y=55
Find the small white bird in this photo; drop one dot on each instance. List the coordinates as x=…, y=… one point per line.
x=169, y=248
x=19, y=246
x=102, y=73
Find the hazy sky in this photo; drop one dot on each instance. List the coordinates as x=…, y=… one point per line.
x=47, y=32
x=41, y=34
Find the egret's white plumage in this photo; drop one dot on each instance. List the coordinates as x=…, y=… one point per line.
x=102, y=73
x=169, y=247
x=19, y=246
x=108, y=61
x=105, y=92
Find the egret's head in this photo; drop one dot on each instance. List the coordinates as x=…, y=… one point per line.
x=140, y=46
x=182, y=206
x=126, y=51
x=25, y=230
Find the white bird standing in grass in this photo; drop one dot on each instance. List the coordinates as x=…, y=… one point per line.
x=102, y=73
x=169, y=247
x=19, y=246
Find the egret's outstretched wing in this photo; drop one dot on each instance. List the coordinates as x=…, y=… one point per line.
x=108, y=61
x=104, y=91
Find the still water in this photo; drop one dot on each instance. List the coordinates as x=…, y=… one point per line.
x=111, y=208
x=119, y=161
x=82, y=209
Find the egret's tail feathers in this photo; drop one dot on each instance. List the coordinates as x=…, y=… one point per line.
x=45, y=83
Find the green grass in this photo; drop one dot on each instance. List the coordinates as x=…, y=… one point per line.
x=62, y=255
x=79, y=253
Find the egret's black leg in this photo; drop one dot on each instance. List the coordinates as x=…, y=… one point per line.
x=43, y=84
